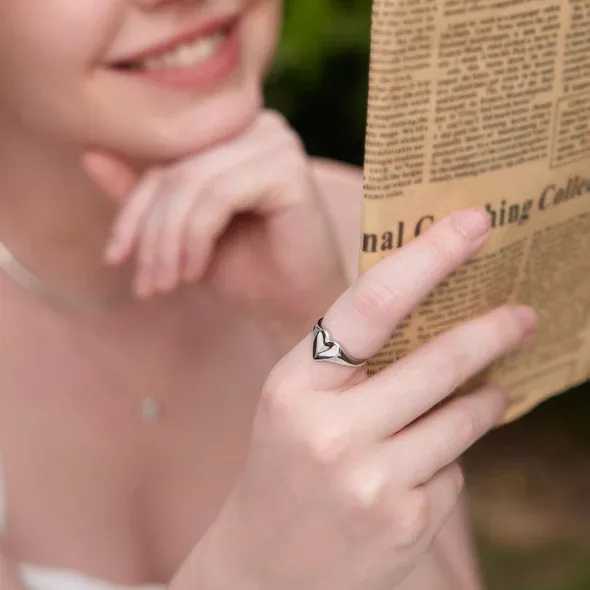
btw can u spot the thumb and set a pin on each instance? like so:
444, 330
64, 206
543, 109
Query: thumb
116, 178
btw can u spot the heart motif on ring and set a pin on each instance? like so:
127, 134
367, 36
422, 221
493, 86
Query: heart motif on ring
323, 348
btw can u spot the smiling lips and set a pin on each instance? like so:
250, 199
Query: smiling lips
194, 61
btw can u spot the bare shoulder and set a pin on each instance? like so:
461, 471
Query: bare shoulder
341, 187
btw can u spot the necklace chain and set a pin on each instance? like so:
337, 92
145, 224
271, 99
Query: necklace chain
33, 284
149, 408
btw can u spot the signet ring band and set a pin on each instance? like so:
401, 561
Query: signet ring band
327, 350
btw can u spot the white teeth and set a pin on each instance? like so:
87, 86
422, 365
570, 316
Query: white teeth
186, 55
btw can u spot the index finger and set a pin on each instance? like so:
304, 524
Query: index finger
363, 319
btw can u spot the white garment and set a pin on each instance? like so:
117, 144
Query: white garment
41, 578
44, 578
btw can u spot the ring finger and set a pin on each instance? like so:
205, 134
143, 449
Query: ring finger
392, 399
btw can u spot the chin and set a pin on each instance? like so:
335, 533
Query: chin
172, 112
158, 135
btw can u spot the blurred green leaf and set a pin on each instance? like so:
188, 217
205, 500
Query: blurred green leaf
319, 78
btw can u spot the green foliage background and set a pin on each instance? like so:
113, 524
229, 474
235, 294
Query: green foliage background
319, 81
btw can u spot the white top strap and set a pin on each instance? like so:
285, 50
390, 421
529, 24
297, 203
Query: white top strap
40, 578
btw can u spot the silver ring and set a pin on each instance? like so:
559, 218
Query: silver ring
325, 349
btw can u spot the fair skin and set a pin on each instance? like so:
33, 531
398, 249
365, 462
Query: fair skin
221, 244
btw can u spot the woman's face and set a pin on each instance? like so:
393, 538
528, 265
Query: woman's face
153, 79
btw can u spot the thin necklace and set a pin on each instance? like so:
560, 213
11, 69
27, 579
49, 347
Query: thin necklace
33, 284
150, 408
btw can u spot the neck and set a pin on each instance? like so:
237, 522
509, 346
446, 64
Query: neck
53, 218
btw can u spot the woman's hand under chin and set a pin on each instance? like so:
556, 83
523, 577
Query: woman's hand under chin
245, 217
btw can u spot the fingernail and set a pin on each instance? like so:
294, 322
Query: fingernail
472, 223
528, 319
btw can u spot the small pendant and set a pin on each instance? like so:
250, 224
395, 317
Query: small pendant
149, 410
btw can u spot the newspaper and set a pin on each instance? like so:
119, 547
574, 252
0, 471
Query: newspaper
487, 103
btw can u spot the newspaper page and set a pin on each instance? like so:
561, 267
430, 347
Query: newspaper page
487, 103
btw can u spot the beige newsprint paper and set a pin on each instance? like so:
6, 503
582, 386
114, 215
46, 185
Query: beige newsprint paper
487, 102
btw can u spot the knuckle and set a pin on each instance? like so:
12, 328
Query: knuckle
363, 492
412, 519
327, 448
196, 232
448, 366
373, 300
275, 402
442, 249
296, 159
286, 132
275, 417
298, 146
319, 441
274, 117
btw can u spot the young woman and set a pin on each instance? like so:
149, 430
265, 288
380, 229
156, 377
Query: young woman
166, 249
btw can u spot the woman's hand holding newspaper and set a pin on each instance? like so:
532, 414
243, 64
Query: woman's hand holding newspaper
350, 478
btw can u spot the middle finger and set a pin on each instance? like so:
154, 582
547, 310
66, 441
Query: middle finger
389, 401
